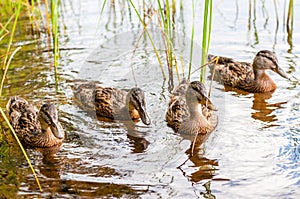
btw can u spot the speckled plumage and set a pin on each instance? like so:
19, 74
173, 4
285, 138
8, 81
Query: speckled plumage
190, 111
246, 76
112, 103
37, 129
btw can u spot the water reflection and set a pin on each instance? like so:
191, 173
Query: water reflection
201, 169
207, 193
80, 177
136, 135
198, 168
50, 167
263, 110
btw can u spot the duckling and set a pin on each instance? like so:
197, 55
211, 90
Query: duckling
36, 129
246, 76
190, 110
112, 103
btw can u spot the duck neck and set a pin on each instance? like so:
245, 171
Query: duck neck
46, 137
260, 74
129, 112
196, 111
263, 82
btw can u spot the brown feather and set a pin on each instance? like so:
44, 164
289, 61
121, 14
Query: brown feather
243, 75
24, 119
179, 116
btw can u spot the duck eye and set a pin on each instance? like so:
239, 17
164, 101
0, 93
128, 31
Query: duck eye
46, 108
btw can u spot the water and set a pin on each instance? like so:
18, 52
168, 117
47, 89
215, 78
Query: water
254, 151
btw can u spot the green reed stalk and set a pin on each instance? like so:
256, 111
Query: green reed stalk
12, 33
207, 23
54, 20
149, 36
23, 150
102, 8
6, 68
290, 18
3, 28
168, 29
167, 33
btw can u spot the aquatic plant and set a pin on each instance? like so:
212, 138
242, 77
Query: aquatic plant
165, 12
206, 30
22, 148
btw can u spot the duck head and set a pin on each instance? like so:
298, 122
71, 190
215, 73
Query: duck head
48, 117
196, 95
265, 60
136, 101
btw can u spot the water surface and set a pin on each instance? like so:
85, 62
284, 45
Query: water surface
254, 151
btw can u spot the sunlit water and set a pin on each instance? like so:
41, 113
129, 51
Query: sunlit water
253, 153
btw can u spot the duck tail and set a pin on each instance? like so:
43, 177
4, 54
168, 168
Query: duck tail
211, 57
219, 60
15, 101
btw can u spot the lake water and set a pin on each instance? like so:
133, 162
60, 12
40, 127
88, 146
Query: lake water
253, 153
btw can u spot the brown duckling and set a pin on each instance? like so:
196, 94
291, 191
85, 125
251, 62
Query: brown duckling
37, 129
190, 111
113, 103
246, 76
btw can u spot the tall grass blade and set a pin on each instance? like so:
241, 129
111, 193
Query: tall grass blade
3, 28
6, 68
12, 32
23, 150
149, 36
54, 20
290, 18
207, 24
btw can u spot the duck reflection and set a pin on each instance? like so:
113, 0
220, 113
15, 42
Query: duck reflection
198, 168
202, 168
205, 168
63, 175
263, 110
51, 166
136, 137
207, 193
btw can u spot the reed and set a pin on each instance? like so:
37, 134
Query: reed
149, 36
17, 14
206, 31
54, 21
23, 150
9, 59
166, 10
166, 17
290, 16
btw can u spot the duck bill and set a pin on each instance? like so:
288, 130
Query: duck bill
144, 116
281, 72
57, 130
206, 102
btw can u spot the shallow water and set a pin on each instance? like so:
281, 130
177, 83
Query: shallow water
254, 151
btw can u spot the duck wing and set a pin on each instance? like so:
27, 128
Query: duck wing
23, 118
84, 95
110, 103
231, 72
178, 111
